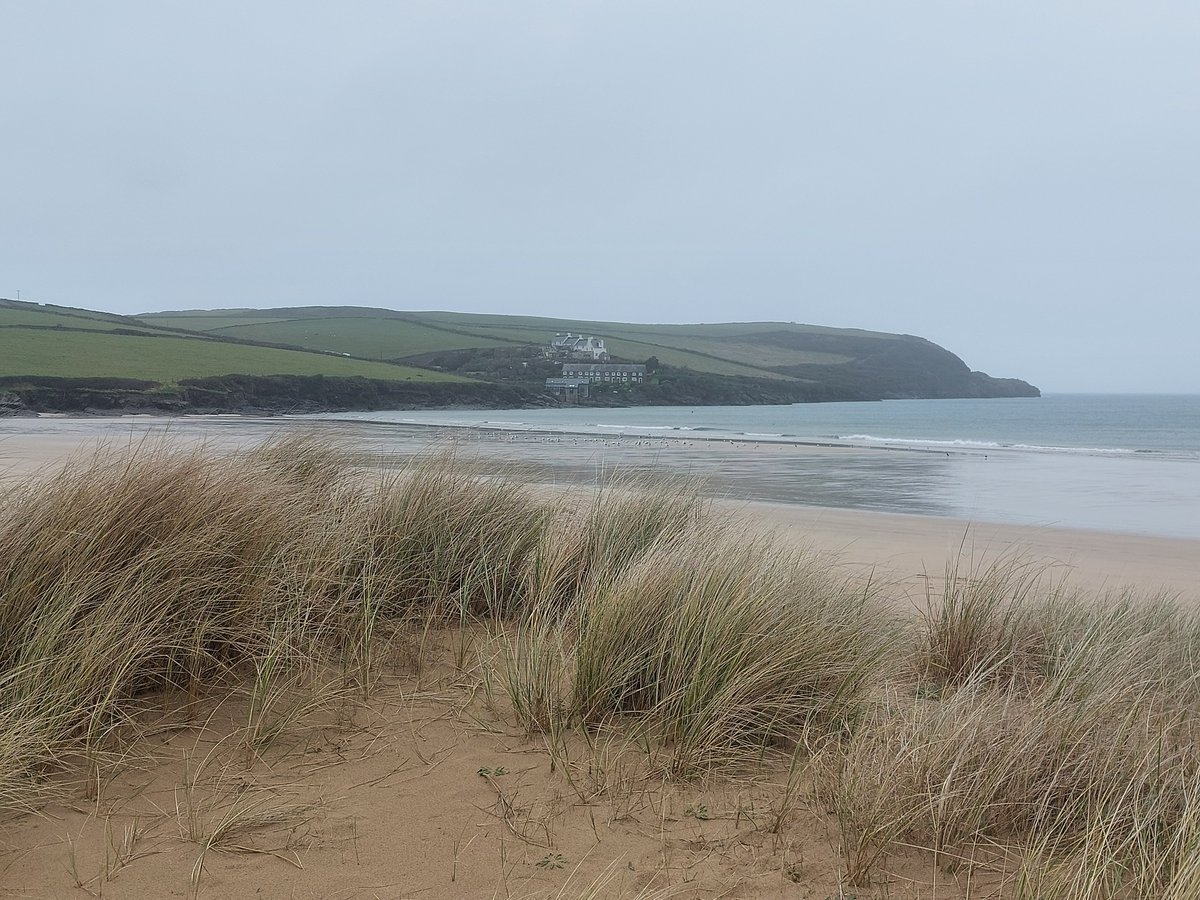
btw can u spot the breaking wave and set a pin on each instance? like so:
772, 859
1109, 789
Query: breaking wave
970, 444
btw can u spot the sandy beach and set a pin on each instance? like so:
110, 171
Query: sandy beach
906, 549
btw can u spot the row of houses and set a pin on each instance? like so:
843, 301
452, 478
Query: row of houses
578, 378
608, 373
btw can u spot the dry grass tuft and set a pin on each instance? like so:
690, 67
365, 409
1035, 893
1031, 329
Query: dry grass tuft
729, 649
1061, 725
163, 571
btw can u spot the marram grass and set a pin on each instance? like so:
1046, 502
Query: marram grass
1013, 717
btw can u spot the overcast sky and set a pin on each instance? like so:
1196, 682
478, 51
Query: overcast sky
1017, 180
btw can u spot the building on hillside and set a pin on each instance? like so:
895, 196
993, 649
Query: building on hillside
570, 388
606, 373
576, 346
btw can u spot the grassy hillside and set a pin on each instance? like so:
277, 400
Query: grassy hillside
386, 334
754, 349
167, 360
69, 343
814, 362
755, 345
321, 358
14, 315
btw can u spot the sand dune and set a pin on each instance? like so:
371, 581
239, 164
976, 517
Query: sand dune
428, 788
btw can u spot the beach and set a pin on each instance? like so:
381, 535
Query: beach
910, 549
899, 548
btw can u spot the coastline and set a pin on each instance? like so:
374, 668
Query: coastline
898, 548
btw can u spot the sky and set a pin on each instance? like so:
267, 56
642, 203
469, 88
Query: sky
1017, 180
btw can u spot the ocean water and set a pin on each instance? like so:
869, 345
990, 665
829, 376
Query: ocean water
1120, 463
1113, 463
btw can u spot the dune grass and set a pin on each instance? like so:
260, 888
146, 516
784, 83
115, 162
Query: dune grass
1055, 725
729, 649
1053, 735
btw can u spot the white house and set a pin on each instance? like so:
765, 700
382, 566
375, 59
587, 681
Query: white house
576, 346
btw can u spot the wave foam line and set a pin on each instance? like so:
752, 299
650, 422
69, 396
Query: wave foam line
978, 445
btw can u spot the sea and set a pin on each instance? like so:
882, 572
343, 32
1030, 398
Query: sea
1118, 463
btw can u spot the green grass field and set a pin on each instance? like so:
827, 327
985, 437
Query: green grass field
79, 345
382, 338
211, 323
372, 336
74, 319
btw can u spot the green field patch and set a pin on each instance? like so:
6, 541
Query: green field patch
17, 316
206, 323
758, 354
682, 358
370, 338
74, 354
10, 317
742, 329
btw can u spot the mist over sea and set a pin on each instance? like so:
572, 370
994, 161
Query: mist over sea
1126, 463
